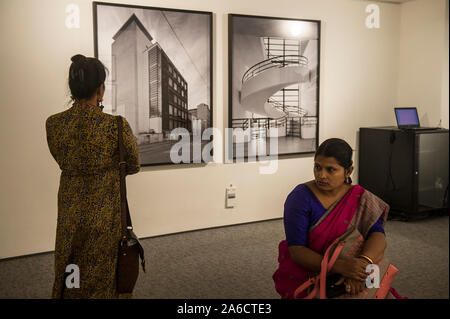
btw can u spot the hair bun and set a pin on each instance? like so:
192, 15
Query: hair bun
78, 58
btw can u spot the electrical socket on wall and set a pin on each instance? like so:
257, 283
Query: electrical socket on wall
230, 197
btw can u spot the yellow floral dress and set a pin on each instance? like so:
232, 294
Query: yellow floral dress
84, 142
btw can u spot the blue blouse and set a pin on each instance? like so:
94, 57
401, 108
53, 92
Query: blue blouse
302, 209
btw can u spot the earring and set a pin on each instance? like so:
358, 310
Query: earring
100, 103
348, 180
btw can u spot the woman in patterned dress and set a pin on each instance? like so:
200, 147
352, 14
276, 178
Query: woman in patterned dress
84, 142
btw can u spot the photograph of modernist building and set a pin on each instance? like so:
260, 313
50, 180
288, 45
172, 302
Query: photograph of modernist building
160, 72
274, 83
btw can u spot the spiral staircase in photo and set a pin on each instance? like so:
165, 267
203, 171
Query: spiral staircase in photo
259, 85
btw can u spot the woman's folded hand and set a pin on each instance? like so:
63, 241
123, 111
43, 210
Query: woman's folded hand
354, 287
351, 268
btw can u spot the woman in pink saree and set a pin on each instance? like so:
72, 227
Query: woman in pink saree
318, 212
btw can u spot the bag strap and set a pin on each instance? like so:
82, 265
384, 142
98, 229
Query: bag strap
327, 264
125, 213
124, 210
319, 281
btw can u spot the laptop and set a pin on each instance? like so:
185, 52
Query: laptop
407, 119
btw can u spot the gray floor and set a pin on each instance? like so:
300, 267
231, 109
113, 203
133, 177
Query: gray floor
238, 262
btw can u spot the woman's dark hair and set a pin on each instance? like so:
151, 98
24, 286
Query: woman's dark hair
337, 148
85, 76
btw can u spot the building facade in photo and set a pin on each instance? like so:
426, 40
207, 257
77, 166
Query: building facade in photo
149, 90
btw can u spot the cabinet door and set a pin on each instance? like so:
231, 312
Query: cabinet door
432, 169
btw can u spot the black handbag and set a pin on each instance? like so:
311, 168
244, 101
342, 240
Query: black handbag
130, 249
333, 290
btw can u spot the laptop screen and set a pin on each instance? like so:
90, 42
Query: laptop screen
407, 117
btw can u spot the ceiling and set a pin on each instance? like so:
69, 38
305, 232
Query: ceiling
389, 1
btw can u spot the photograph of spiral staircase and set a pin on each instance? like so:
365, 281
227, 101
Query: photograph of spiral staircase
274, 84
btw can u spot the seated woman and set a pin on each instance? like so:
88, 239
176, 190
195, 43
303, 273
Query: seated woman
319, 211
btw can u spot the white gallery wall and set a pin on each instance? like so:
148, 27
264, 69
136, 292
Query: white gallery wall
363, 74
423, 60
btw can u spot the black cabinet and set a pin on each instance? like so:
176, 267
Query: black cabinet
408, 169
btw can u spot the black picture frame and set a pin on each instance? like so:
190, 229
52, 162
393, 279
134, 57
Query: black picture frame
160, 64
261, 52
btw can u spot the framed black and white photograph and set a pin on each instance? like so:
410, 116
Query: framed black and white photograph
273, 85
160, 76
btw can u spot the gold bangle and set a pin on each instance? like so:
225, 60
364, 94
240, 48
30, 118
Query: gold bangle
367, 258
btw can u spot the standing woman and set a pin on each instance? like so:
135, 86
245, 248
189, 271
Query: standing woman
84, 142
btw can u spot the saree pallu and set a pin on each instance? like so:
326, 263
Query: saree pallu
358, 208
